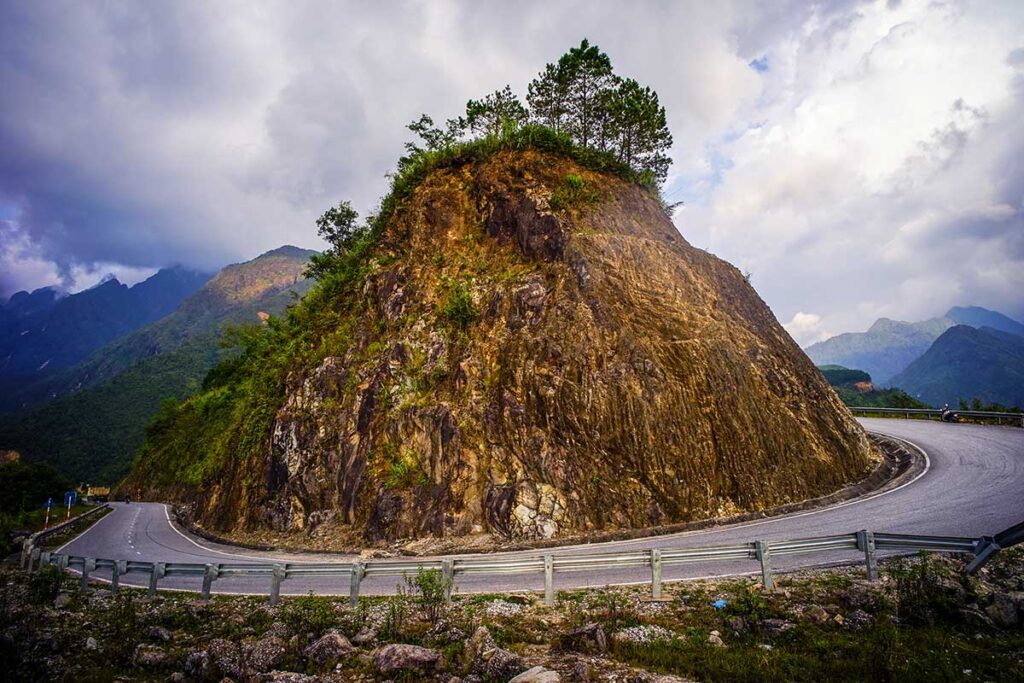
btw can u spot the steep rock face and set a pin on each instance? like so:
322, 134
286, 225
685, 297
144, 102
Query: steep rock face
605, 374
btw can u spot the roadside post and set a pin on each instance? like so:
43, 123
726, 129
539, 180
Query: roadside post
49, 505
763, 554
70, 499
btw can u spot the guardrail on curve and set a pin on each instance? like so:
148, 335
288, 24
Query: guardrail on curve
1011, 418
31, 542
655, 559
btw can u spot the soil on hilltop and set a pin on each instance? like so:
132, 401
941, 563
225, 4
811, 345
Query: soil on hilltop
530, 349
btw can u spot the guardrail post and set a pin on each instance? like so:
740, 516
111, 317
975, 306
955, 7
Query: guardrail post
448, 572
984, 549
764, 556
115, 575
549, 580
155, 574
44, 558
88, 565
656, 573
26, 552
866, 542
62, 562
32, 557
277, 575
210, 572
358, 572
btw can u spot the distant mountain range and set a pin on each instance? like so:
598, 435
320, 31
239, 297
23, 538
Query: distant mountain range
884, 350
968, 363
89, 419
965, 354
41, 332
975, 316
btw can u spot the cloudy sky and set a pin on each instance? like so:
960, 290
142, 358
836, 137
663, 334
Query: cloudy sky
858, 159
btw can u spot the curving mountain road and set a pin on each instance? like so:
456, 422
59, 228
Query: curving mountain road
974, 485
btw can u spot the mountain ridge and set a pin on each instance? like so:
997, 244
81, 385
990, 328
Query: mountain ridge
96, 414
889, 346
60, 333
979, 317
966, 363
883, 350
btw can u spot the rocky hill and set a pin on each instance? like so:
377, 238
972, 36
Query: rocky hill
529, 347
95, 419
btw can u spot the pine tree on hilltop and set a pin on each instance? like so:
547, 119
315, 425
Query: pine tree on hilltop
580, 97
491, 114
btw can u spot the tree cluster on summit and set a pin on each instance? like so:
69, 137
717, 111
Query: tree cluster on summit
578, 96
577, 104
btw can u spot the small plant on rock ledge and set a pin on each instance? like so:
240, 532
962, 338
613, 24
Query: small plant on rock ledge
573, 193
458, 307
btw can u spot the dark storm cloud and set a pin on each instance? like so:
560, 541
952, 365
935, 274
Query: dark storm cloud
149, 133
135, 135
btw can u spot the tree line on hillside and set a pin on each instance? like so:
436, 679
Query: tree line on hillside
580, 96
24, 488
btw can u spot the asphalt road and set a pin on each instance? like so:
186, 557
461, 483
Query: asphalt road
973, 485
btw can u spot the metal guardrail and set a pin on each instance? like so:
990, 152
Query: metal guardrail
550, 564
33, 540
1011, 418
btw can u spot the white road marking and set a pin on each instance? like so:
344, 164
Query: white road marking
666, 537
212, 550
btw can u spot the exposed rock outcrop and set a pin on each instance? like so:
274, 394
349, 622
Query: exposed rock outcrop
509, 368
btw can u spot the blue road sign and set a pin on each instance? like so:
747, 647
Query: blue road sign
49, 503
70, 497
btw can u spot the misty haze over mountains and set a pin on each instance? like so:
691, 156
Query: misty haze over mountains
970, 352
43, 331
117, 353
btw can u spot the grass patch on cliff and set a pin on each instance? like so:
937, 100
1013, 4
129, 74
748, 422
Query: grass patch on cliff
574, 193
458, 307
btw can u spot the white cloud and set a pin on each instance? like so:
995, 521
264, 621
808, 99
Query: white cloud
871, 169
883, 174
805, 328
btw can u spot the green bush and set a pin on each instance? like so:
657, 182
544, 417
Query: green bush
395, 617
749, 603
309, 613
122, 623
44, 585
573, 193
429, 590
458, 307
926, 592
